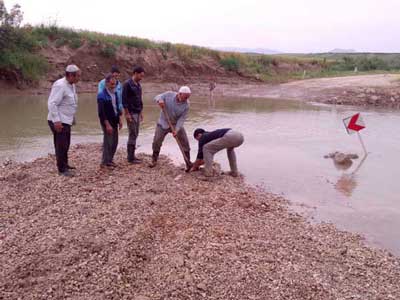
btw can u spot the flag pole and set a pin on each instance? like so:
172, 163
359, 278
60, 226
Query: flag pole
362, 143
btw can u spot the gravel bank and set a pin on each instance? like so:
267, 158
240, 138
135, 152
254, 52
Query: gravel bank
140, 233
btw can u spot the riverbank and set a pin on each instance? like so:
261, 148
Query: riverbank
378, 90
140, 233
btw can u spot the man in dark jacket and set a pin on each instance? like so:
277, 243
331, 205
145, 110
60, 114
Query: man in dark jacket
133, 106
110, 119
213, 142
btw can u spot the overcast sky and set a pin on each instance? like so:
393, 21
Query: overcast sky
285, 25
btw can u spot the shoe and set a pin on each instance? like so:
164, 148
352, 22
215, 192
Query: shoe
66, 174
233, 174
154, 159
188, 167
107, 166
135, 161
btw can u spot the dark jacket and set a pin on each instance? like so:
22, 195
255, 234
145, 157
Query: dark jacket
132, 97
208, 137
106, 109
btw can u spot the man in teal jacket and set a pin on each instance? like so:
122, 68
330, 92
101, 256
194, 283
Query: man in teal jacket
118, 88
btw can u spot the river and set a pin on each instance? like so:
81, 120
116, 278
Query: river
285, 144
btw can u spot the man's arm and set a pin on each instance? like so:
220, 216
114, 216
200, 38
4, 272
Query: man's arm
101, 86
128, 116
102, 114
55, 98
182, 119
119, 93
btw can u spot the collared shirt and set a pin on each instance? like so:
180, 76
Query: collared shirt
62, 102
177, 111
113, 100
208, 137
118, 89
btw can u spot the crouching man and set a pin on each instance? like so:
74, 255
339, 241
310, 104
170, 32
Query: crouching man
109, 108
213, 142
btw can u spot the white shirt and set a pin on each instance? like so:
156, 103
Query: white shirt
63, 102
113, 100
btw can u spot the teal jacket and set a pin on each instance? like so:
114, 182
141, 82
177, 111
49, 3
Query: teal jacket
118, 90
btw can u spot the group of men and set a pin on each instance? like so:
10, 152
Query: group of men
116, 100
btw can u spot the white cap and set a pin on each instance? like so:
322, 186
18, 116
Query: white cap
185, 90
71, 69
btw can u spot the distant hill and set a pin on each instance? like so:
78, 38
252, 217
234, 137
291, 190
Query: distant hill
249, 50
337, 50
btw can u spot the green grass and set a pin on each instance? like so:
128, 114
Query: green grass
20, 53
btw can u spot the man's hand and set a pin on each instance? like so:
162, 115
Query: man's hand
161, 104
141, 117
58, 127
128, 118
194, 168
120, 124
109, 128
174, 133
196, 165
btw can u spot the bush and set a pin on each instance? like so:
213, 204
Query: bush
108, 51
18, 47
230, 63
60, 42
76, 43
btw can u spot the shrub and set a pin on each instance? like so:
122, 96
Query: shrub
230, 63
108, 51
60, 42
75, 43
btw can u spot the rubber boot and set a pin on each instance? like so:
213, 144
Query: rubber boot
135, 160
154, 159
131, 153
189, 165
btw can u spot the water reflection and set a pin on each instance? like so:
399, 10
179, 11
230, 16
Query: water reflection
347, 183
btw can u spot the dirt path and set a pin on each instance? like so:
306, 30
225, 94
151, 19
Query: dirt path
377, 90
148, 234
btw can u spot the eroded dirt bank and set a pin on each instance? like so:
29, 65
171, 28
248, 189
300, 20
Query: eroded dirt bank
140, 233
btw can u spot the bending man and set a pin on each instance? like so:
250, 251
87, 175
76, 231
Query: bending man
213, 142
176, 105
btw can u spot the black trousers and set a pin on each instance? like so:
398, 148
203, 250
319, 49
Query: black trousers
62, 141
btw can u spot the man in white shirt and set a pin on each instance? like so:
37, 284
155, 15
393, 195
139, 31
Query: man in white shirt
62, 105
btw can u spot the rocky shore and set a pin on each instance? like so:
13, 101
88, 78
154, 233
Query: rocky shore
140, 233
375, 97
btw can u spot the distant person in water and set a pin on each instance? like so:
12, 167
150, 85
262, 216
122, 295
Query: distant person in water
133, 108
212, 142
108, 103
212, 87
62, 105
118, 88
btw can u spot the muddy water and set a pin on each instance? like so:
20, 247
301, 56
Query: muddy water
285, 142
